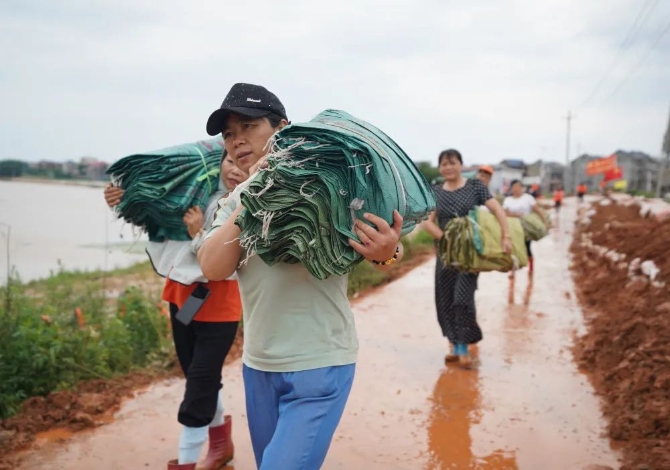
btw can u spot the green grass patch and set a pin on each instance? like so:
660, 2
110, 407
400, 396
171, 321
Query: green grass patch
45, 345
76, 276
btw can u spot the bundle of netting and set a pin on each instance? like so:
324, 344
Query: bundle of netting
322, 176
160, 186
474, 244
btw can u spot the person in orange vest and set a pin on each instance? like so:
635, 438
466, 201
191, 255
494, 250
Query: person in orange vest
558, 199
535, 191
581, 191
484, 174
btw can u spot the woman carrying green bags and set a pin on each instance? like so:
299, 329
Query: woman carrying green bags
300, 341
455, 290
521, 204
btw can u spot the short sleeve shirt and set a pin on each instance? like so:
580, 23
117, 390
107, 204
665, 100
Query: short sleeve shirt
519, 206
452, 204
292, 321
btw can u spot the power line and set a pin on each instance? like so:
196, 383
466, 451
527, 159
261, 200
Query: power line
632, 32
635, 69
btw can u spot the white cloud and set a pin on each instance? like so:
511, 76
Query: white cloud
492, 78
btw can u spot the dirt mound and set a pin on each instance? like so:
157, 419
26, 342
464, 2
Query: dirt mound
626, 350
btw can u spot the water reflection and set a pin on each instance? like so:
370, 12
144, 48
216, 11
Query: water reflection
512, 289
456, 405
529, 291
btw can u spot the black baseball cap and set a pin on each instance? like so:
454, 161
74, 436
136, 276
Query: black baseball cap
252, 101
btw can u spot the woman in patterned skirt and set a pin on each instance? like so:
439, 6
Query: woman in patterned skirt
455, 290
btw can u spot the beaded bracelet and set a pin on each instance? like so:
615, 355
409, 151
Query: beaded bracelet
389, 261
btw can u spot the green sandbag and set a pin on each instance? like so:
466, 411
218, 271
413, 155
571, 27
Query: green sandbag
473, 244
490, 234
457, 247
533, 226
160, 186
321, 176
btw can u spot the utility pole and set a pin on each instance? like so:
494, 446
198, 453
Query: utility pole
664, 160
568, 170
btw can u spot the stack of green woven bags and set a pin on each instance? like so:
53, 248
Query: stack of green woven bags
474, 244
321, 176
160, 186
536, 227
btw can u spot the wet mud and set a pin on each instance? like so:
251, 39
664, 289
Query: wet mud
524, 406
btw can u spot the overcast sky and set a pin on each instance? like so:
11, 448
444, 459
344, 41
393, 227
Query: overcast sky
492, 78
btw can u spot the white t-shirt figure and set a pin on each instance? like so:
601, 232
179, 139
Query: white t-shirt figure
519, 206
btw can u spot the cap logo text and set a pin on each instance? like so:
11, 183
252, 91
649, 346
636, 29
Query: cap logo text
253, 100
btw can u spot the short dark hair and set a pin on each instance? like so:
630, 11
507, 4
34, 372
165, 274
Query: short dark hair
449, 154
275, 120
514, 182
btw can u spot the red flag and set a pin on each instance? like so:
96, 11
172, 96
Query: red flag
601, 165
614, 174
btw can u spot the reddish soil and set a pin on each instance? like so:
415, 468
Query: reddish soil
92, 404
626, 350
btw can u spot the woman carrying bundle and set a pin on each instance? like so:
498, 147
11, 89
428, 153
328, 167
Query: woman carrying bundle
202, 344
455, 290
300, 341
520, 204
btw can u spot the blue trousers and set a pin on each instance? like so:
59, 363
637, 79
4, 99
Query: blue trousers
293, 415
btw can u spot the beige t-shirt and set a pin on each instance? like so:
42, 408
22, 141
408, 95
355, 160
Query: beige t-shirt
292, 321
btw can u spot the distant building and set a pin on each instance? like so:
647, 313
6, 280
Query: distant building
514, 164
549, 175
96, 170
503, 175
71, 168
639, 170
45, 165
88, 160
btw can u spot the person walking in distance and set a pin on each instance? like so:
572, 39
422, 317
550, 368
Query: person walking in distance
558, 199
520, 204
484, 174
581, 191
535, 191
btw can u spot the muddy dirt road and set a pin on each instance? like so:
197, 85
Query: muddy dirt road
526, 406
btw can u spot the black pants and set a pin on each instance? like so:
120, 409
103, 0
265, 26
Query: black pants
455, 305
530, 253
201, 349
